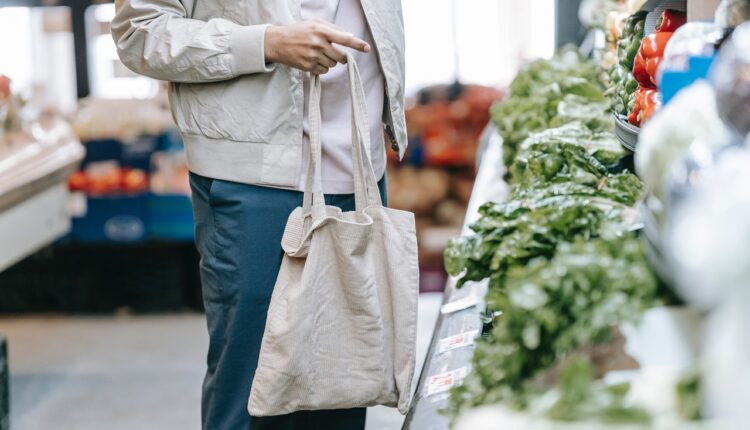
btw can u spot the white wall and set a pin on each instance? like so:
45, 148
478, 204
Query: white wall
478, 41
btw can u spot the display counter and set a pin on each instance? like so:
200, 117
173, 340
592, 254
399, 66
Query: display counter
452, 345
34, 197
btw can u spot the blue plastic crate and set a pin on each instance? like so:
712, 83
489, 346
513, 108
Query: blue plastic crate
102, 150
119, 219
170, 217
136, 154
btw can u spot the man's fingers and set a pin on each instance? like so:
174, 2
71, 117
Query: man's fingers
335, 54
348, 40
319, 70
326, 62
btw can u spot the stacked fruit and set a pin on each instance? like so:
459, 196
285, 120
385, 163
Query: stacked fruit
644, 101
103, 180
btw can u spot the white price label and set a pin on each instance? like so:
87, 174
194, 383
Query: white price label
457, 341
443, 382
460, 304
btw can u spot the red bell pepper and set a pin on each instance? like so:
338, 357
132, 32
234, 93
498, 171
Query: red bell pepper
670, 20
649, 105
649, 57
639, 71
636, 112
646, 104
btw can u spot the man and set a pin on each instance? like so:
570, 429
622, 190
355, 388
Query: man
238, 95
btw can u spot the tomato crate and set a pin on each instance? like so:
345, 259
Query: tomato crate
170, 217
119, 219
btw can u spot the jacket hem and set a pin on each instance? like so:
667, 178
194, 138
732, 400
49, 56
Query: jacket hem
253, 163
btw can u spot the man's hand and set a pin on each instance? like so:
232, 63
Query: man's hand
309, 46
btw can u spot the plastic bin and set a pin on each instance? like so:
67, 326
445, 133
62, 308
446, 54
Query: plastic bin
136, 154
120, 219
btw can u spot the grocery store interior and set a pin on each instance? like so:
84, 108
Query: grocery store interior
578, 174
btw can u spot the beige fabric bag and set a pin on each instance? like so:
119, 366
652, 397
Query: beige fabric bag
341, 326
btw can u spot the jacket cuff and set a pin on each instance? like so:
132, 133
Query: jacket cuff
247, 50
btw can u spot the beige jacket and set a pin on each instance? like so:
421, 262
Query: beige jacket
241, 118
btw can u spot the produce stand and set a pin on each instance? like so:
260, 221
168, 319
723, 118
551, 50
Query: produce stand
626, 133
451, 348
34, 197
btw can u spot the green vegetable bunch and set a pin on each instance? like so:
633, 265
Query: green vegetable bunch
563, 169
602, 145
551, 309
622, 83
551, 93
562, 265
511, 234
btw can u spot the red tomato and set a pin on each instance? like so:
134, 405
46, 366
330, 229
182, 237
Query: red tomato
134, 181
77, 181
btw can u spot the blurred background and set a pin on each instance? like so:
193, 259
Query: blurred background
101, 322
99, 288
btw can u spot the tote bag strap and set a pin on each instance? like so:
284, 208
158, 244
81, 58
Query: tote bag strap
365, 184
313, 202
364, 174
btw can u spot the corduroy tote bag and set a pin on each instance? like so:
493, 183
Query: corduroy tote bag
341, 328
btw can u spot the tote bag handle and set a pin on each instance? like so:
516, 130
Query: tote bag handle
366, 191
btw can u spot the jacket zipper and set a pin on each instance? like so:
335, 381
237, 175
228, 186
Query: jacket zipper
388, 126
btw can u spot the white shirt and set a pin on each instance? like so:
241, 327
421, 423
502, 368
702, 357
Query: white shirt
335, 99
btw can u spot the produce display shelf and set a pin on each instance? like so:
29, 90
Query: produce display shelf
452, 346
34, 197
668, 338
626, 133
651, 5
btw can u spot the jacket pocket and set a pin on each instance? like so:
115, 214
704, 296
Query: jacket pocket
214, 110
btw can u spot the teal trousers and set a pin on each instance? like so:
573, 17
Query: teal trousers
238, 231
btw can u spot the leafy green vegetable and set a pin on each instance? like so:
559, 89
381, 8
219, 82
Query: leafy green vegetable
583, 398
602, 145
562, 264
545, 170
551, 308
549, 93
512, 233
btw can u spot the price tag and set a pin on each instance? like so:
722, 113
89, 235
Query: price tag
459, 305
443, 382
457, 341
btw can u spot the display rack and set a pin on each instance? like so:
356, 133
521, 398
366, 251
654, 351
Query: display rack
452, 346
626, 133
34, 197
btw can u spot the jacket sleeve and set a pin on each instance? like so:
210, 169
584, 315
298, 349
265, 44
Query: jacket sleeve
156, 38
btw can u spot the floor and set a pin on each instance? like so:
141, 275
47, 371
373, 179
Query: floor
128, 373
